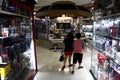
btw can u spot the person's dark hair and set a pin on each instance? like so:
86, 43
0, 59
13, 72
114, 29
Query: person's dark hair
78, 36
70, 35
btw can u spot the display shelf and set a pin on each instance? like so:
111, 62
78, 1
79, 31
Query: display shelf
116, 76
109, 16
16, 75
118, 71
103, 75
108, 36
115, 65
107, 54
89, 41
88, 31
12, 14
19, 75
17, 41
106, 40
98, 49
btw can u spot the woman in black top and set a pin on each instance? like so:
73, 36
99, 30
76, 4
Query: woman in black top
68, 49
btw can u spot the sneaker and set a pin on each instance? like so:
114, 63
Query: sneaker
63, 68
73, 72
70, 65
80, 67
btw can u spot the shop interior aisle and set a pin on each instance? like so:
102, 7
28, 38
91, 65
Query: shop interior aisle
49, 67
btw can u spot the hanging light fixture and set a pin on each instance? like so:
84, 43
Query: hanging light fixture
57, 9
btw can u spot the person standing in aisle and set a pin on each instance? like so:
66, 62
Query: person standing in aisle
77, 51
68, 49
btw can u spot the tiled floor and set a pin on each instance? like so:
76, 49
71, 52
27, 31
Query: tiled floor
49, 66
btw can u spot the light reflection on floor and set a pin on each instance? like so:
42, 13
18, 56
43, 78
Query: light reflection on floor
50, 67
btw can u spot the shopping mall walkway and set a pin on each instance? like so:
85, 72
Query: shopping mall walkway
49, 66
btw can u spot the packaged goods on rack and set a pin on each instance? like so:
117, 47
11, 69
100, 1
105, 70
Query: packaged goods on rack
87, 28
15, 40
106, 40
88, 32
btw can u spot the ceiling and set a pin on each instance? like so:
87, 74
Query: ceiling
41, 3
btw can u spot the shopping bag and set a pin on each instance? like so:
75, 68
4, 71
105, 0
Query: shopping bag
61, 59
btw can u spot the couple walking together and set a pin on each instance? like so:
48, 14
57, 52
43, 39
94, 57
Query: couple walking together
73, 47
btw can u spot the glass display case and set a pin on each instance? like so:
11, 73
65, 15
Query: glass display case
88, 31
17, 48
106, 48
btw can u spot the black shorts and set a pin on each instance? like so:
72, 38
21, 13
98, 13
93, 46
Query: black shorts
77, 57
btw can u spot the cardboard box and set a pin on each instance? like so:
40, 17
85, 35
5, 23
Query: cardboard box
4, 70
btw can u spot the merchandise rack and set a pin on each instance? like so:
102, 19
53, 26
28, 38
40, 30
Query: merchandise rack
105, 56
31, 67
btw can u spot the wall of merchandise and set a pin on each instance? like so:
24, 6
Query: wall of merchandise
88, 31
15, 41
106, 48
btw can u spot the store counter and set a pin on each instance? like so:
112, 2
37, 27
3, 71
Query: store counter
51, 43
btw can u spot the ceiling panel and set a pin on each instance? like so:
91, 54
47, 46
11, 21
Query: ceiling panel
48, 2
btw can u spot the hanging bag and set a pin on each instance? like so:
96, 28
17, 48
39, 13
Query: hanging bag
61, 59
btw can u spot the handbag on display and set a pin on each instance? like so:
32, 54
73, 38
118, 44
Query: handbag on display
61, 59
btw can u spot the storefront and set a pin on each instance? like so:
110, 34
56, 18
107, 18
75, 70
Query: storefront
60, 18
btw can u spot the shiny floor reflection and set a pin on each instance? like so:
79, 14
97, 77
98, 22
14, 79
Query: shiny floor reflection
50, 67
